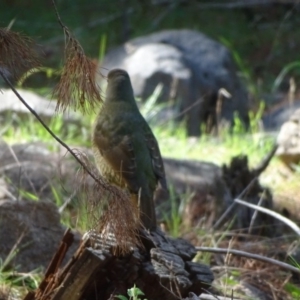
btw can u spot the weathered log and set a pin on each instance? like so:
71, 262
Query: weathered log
161, 267
243, 182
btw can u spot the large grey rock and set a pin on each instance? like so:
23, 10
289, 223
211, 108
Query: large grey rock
203, 188
33, 229
10, 105
192, 67
288, 140
161, 64
273, 120
29, 170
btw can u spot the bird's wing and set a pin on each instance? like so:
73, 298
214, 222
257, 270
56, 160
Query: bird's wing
157, 162
119, 154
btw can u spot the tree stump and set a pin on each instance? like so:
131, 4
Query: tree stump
244, 182
161, 267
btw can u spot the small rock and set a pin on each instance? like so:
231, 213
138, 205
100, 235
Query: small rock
33, 228
288, 140
44, 107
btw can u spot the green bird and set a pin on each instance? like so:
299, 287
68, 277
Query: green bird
125, 149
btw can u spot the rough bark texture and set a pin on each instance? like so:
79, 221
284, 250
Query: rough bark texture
243, 182
162, 268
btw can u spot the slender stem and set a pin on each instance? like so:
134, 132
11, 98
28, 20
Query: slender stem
272, 213
250, 255
48, 129
232, 205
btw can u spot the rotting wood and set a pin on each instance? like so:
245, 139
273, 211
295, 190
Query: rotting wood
241, 180
162, 268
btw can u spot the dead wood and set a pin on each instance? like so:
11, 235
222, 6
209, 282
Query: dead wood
162, 268
241, 180
265, 162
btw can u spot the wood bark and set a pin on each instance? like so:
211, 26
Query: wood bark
161, 267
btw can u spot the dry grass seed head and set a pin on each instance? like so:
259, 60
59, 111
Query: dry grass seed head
77, 86
118, 217
17, 54
110, 210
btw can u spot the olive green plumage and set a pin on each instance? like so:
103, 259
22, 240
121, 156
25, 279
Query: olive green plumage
125, 149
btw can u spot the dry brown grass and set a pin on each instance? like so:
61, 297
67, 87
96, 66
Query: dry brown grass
77, 87
233, 273
110, 210
17, 54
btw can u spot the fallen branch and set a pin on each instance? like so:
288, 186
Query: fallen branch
265, 162
272, 213
239, 4
213, 297
250, 255
232, 205
255, 173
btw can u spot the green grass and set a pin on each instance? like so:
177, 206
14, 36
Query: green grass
249, 46
173, 142
134, 293
24, 129
14, 283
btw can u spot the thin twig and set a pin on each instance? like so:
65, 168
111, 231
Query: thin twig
182, 112
48, 129
254, 216
265, 162
64, 27
232, 205
242, 4
272, 213
239, 4
256, 172
213, 297
250, 255
163, 15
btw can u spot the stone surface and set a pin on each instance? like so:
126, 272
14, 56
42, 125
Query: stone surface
28, 168
273, 120
203, 191
192, 68
288, 140
33, 229
34, 169
10, 105
201, 183
27, 172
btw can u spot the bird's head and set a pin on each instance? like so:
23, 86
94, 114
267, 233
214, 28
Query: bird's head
119, 86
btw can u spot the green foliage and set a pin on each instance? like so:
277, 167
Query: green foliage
174, 220
284, 72
294, 262
102, 48
255, 118
175, 144
50, 72
244, 68
58, 199
241, 38
238, 127
293, 289
150, 108
26, 128
134, 294
28, 195
14, 282
73, 210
